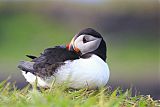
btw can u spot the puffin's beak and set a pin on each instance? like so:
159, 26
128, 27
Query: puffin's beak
71, 46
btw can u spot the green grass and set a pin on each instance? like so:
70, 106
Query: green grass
59, 96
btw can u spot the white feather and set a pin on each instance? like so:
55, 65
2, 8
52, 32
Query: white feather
91, 72
31, 79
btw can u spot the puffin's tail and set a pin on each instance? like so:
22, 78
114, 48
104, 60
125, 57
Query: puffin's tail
29, 73
26, 66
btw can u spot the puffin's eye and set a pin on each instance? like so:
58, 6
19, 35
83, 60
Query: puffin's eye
84, 40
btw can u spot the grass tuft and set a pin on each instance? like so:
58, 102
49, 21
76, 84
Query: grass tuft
59, 96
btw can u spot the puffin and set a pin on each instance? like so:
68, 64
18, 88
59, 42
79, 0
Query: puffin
80, 64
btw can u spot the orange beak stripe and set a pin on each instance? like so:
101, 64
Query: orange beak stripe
76, 49
68, 46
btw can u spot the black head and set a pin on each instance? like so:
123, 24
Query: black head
88, 42
89, 31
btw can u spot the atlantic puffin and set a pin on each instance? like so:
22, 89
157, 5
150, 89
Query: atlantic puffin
81, 63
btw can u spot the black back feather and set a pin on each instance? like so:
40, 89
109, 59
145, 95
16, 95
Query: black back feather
51, 59
31, 56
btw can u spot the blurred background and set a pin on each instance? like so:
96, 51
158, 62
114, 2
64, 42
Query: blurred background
130, 29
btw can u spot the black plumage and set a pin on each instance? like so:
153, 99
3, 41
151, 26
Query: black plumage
31, 56
49, 61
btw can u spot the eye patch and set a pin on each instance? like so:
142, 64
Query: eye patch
84, 40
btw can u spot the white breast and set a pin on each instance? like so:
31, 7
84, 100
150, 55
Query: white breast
91, 72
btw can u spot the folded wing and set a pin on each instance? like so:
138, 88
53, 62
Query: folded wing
48, 62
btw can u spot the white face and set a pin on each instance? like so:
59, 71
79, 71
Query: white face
86, 43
